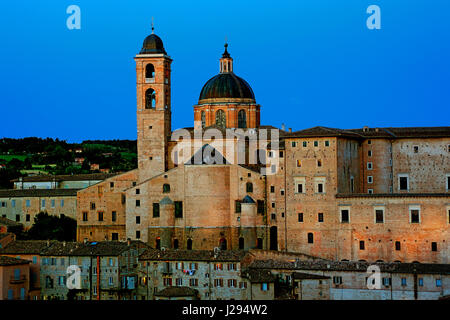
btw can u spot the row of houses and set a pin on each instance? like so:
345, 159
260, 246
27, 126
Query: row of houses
130, 270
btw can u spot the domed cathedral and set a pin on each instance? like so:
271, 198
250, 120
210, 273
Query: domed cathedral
226, 100
153, 106
192, 205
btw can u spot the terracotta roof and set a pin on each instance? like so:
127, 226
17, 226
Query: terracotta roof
308, 276
23, 193
25, 247
258, 275
368, 133
102, 248
9, 223
404, 132
60, 248
393, 267
192, 255
390, 195
66, 177
9, 261
177, 292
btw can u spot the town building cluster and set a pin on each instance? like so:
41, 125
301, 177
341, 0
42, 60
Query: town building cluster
296, 215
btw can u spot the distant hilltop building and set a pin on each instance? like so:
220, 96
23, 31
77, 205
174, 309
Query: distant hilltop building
370, 194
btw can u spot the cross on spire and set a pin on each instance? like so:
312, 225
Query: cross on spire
153, 26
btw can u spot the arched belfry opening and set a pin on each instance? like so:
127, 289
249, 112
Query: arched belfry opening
150, 99
149, 71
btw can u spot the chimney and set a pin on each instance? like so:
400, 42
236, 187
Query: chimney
365, 128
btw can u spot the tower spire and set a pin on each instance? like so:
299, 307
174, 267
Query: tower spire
153, 26
226, 62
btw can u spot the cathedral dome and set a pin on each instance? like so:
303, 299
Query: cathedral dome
152, 44
226, 85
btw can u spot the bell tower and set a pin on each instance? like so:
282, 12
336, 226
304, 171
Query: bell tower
153, 107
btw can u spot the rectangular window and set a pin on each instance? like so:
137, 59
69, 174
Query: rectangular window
320, 217
416, 149
167, 282
27, 203
155, 210
61, 204
387, 282
179, 282
361, 245
310, 237
327, 143
27, 218
420, 282
294, 144
272, 189
138, 203
138, 220
193, 282
85, 216
345, 216
178, 209
369, 179
447, 187
232, 283
52, 203
369, 153
260, 206
379, 216
369, 191
300, 217
138, 234
300, 187
299, 163
111, 185
92, 205
237, 206
369, 165
100, 215
138, 191
316, 143
434, 246
397, 246
438, 283
337, 280
403, 183
13, 203
305, 143
273, 216
264, 286
17, 217
43, 203
114, 216
403, 281
414, 214
319, 188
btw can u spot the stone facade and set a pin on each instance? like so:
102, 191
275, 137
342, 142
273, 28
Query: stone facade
339, 194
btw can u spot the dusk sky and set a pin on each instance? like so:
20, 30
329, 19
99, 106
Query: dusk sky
309, 62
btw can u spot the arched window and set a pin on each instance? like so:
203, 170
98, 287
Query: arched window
223, 244
189, 244
166, 188
150, 99
149, 71
242, 119
175, 243
158, 243
203, 119
241, 243
221, 120
249, 187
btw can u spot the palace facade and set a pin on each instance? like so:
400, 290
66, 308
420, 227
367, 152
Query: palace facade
369, 194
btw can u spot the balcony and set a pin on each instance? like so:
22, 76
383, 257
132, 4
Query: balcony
17, 280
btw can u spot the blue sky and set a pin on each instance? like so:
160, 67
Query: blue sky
309, 62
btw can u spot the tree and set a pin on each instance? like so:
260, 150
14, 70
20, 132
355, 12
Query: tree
49, 227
